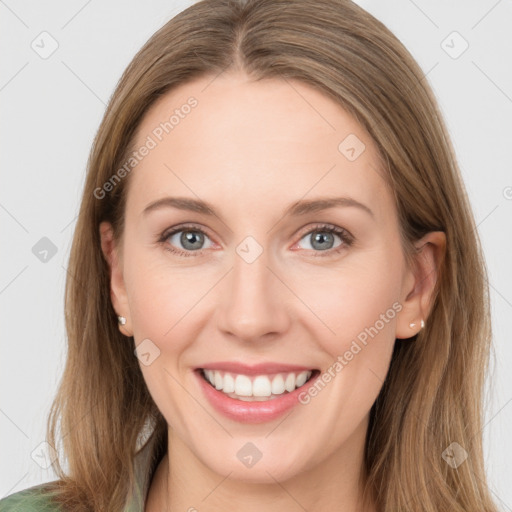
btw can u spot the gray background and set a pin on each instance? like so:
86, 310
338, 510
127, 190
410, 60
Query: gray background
51, 109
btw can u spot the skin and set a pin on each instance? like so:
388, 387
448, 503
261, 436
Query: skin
251, 149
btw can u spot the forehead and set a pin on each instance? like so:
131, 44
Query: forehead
257, 141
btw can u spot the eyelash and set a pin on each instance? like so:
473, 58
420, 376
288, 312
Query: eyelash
346, 238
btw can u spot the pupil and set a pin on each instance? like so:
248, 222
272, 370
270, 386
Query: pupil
188, 238
319, 237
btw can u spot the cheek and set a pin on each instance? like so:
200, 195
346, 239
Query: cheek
162, 302
359, 308
162, 298
359, 305
355, 301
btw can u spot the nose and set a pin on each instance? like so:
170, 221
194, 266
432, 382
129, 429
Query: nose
253, 303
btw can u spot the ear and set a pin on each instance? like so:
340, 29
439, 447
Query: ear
118, 294
419, 284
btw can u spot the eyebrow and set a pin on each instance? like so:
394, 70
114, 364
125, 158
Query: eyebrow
301, 207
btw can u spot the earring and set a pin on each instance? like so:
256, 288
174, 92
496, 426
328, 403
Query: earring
121, 320
413, 325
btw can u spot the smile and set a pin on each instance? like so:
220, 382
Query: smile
253, 393
256, 387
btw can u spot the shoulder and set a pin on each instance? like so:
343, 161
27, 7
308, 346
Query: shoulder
34, 499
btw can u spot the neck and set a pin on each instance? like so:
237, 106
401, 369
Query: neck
183, 482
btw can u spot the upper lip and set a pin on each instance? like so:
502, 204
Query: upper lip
255, 369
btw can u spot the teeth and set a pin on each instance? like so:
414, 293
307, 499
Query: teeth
228, 384
218, 381
289, 383
258, 388
278, 385
261, 386
243, 385
301, 379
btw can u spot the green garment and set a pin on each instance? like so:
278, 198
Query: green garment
34, 498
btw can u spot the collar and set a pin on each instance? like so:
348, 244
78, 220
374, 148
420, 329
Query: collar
144, 466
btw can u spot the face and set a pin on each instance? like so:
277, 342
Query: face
263, 282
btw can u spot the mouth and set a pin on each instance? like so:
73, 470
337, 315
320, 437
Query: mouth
259, 387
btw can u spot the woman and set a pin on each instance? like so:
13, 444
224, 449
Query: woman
277, 297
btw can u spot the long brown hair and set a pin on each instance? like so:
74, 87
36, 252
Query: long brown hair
432, 395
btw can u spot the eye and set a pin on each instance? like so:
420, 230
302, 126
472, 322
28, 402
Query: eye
187, 239
323, 239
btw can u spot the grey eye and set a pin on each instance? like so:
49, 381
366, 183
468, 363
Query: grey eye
321, 240
189, 239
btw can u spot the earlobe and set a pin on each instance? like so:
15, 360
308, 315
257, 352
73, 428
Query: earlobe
118, 295
419, 288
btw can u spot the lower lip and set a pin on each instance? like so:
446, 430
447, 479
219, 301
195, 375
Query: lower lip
250, 412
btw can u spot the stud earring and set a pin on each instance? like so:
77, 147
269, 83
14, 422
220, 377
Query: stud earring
412, 325
121, 320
